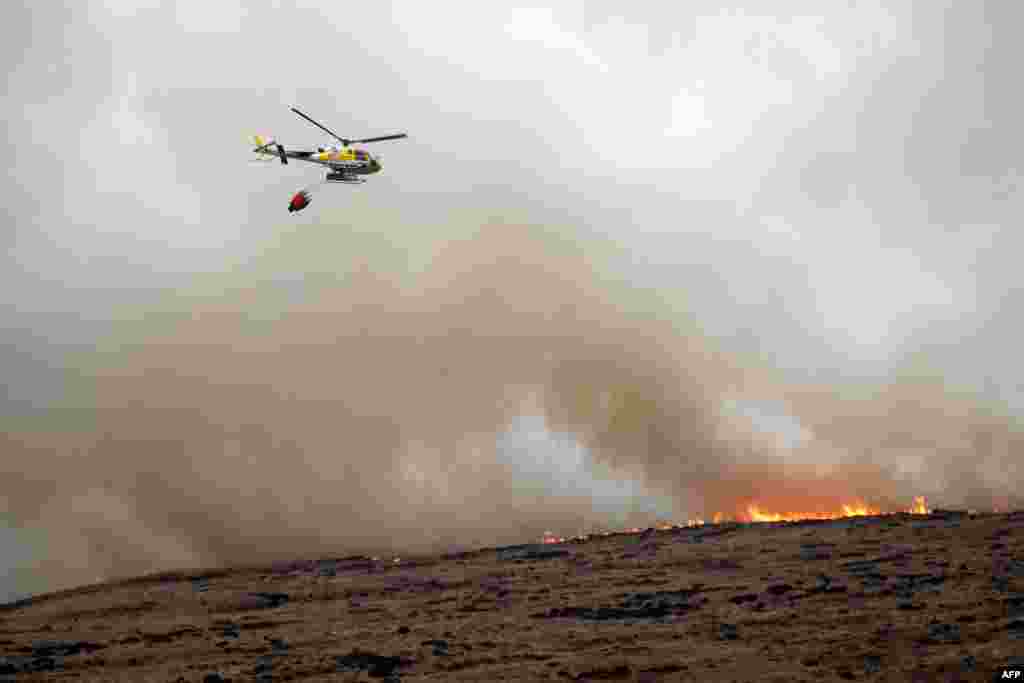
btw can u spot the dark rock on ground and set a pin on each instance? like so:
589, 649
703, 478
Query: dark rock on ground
44, 664
272, 599
860, 567
257, 601
728, 632
670, 600
873, 581
604, 613
378, 666
944, 633
10, 666
816, 551
947, 514
264, 670
656, 605
531, 551
909, 584
64, 648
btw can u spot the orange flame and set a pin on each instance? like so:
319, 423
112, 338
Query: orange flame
857, 509
920, 507
756, 514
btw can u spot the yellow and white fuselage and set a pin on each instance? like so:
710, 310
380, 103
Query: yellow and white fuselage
347, 159
344, 164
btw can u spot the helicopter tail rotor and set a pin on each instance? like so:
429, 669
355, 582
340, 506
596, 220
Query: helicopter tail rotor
263, 146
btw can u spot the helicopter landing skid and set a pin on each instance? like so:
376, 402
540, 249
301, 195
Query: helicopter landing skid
351, 180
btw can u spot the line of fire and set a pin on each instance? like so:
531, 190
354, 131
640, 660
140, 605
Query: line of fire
755, 515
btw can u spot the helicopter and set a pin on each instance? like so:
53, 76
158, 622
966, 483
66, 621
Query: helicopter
344, 164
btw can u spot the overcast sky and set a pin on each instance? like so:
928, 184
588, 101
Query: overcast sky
859, 163
835, 186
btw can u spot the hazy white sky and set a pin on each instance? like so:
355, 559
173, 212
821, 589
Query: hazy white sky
856, 160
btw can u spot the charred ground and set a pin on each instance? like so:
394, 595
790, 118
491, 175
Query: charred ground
936, 597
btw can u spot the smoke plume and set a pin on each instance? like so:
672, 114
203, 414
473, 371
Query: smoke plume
360, 411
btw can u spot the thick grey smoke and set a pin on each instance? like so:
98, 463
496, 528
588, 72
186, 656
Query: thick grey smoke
363, 415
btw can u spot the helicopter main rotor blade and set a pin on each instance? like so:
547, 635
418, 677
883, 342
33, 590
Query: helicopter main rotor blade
382, 137
323, 127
